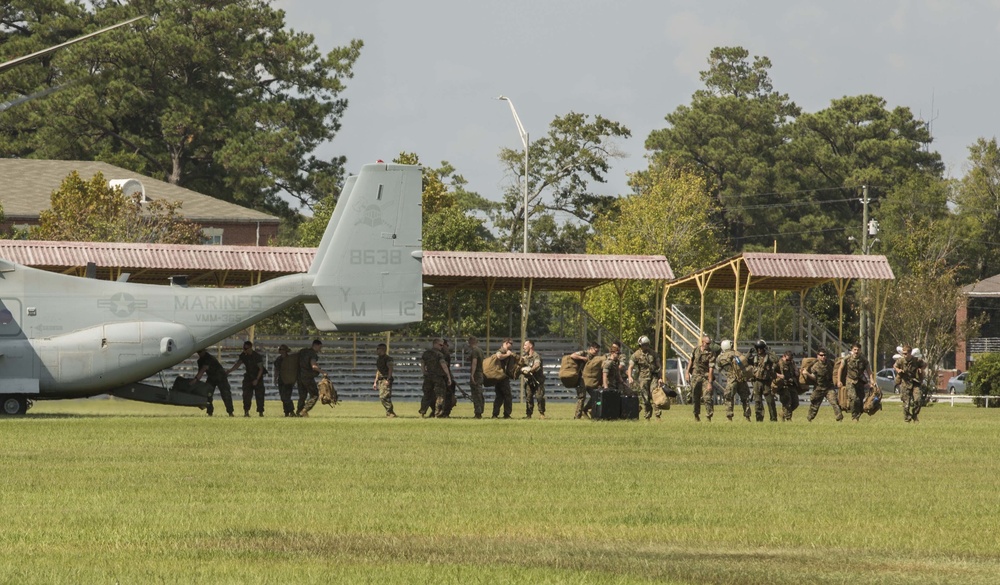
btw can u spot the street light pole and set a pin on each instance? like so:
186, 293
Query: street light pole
525, 142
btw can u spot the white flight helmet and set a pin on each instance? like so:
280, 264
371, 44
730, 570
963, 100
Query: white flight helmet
726, 345
916, 353
644, 340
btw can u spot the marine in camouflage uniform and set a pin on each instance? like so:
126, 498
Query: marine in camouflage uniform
285, 375
308, 370
786, 382
582, 391
856, 368
436, 379
450, 399
762, 372
821, 373
701, 373
534, 380
253, 377
427, 397
503, 396
476, 358
736, 383
643, 373
384, 365
215, 375
908, 371
613, 379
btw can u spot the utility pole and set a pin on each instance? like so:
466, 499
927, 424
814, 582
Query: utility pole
863, 337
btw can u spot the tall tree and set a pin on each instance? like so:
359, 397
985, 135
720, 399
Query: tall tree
562, 164
93, 211
977, 198
857, 141
216, 96
730, 135
670, 215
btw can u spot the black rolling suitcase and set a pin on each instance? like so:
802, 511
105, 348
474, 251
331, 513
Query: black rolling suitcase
607, 404
630, 406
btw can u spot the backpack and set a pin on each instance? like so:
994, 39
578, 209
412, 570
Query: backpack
840, 371
327, 393
593, 372
659, 397
493, 370
289, 368
873, 402
569, 371
807, 363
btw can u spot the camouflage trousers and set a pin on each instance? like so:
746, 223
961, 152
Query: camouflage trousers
582, 395
857, 394
385, 395
788, 395
702, 394
476, 391
427, 397
912, 398
734, 388
307, 386
503, 398
534, 391
643, 388
285, 394
253, 392
816, 400
227, 397
762, 393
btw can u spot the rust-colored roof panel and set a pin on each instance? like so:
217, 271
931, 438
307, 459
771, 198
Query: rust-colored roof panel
775, 271
824, 266
153, 263
548, 271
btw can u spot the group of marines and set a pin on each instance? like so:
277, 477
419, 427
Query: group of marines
762, 381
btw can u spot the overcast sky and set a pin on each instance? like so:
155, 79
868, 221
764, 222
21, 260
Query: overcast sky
430, 70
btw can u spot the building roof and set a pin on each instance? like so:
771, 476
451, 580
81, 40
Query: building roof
482, 270
988, 287
155, 263
794, 272
26, 187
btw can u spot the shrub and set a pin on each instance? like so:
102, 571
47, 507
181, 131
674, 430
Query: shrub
984, 378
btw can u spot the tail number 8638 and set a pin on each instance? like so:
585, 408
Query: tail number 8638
376, 257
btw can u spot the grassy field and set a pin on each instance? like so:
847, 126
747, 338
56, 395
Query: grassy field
109, 491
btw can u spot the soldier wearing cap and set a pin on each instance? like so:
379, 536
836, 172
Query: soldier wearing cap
383, 378
821, 374
644, 371
909, 371
762, 372
701, 372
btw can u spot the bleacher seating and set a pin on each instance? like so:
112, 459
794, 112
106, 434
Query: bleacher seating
351, 363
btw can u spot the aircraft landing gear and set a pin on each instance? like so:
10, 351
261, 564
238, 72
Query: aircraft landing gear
14, 404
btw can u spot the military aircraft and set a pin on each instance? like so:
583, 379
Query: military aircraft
69, 337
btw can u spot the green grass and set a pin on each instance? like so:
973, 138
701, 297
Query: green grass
109, 491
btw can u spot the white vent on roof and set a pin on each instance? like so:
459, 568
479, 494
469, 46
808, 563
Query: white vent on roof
130, 187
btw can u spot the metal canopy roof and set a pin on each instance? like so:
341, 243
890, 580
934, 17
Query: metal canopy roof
566, 272
155, 263
792, 272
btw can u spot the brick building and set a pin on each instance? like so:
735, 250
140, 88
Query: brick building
26, 187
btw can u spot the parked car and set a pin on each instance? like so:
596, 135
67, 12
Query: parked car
673, 371
886, 380
956, 384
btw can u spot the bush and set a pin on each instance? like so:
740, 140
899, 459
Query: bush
984, 378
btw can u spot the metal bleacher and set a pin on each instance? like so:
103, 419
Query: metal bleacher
351, 362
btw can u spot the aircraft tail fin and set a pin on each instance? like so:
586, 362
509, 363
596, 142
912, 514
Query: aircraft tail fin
368, 274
